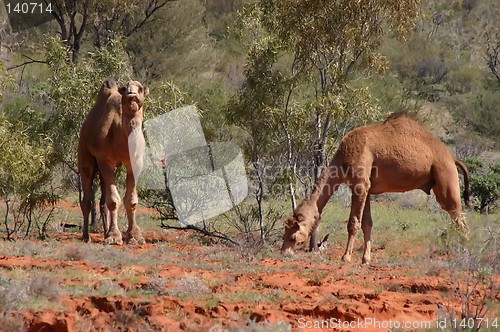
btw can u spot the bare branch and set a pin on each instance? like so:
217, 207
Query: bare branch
203, 231
153, 6
30, 61
493, 53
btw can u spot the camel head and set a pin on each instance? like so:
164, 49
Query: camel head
133, 94
298, 228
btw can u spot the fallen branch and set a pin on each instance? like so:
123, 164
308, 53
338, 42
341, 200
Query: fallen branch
201, 230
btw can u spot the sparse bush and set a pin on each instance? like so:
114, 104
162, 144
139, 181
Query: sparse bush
159, 285
478, 111
464, 79
470, 147
191, 286
412, 200
12, 294
474, 265
484, 184
74, 253
109, 288
44, 285
84, 324
12, 324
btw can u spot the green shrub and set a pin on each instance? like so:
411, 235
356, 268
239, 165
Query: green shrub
485, 184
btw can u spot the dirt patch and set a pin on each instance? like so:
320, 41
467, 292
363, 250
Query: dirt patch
172, 284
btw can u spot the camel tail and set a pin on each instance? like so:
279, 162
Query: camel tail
466, 182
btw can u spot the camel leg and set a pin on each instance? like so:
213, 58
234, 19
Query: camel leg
313, 243
359, 194
103, 210
366, 226
447, 191
86, 203
112, 198
87, 167
93, 216
130, 201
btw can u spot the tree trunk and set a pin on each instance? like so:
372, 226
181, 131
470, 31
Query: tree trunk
259, 196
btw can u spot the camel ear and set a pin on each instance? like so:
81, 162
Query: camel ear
146, 91
109, 82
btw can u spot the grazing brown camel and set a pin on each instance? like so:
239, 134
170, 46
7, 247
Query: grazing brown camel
113, 124
395, 156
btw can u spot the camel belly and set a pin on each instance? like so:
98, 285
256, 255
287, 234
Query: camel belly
395, 178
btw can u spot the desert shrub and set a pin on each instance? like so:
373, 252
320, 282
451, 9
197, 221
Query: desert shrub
24, 172
245, 221
74, 253
158, 285
485, 184
12, 294
470, 146
412, 200
474, 265
478, 111
109, 288
44, 285
191, 286
388, 91
464, 79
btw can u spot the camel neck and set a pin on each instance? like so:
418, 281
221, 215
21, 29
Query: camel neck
325, 187
130, 122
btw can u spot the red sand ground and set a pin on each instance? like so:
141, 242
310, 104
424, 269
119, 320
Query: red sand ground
310, 292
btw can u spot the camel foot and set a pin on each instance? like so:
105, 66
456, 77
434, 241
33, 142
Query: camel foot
365, 261
114, 237
135, 237
346, 258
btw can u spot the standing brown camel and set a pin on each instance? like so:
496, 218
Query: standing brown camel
111, 127
395, 156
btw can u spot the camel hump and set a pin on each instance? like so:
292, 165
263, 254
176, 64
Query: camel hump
109, 83
108, 95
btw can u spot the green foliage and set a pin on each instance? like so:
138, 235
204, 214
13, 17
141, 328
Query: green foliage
177, 46
24, 171
479, 111
6, 81
166, 97
326, 35
71, 88
485, 184
23, 164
